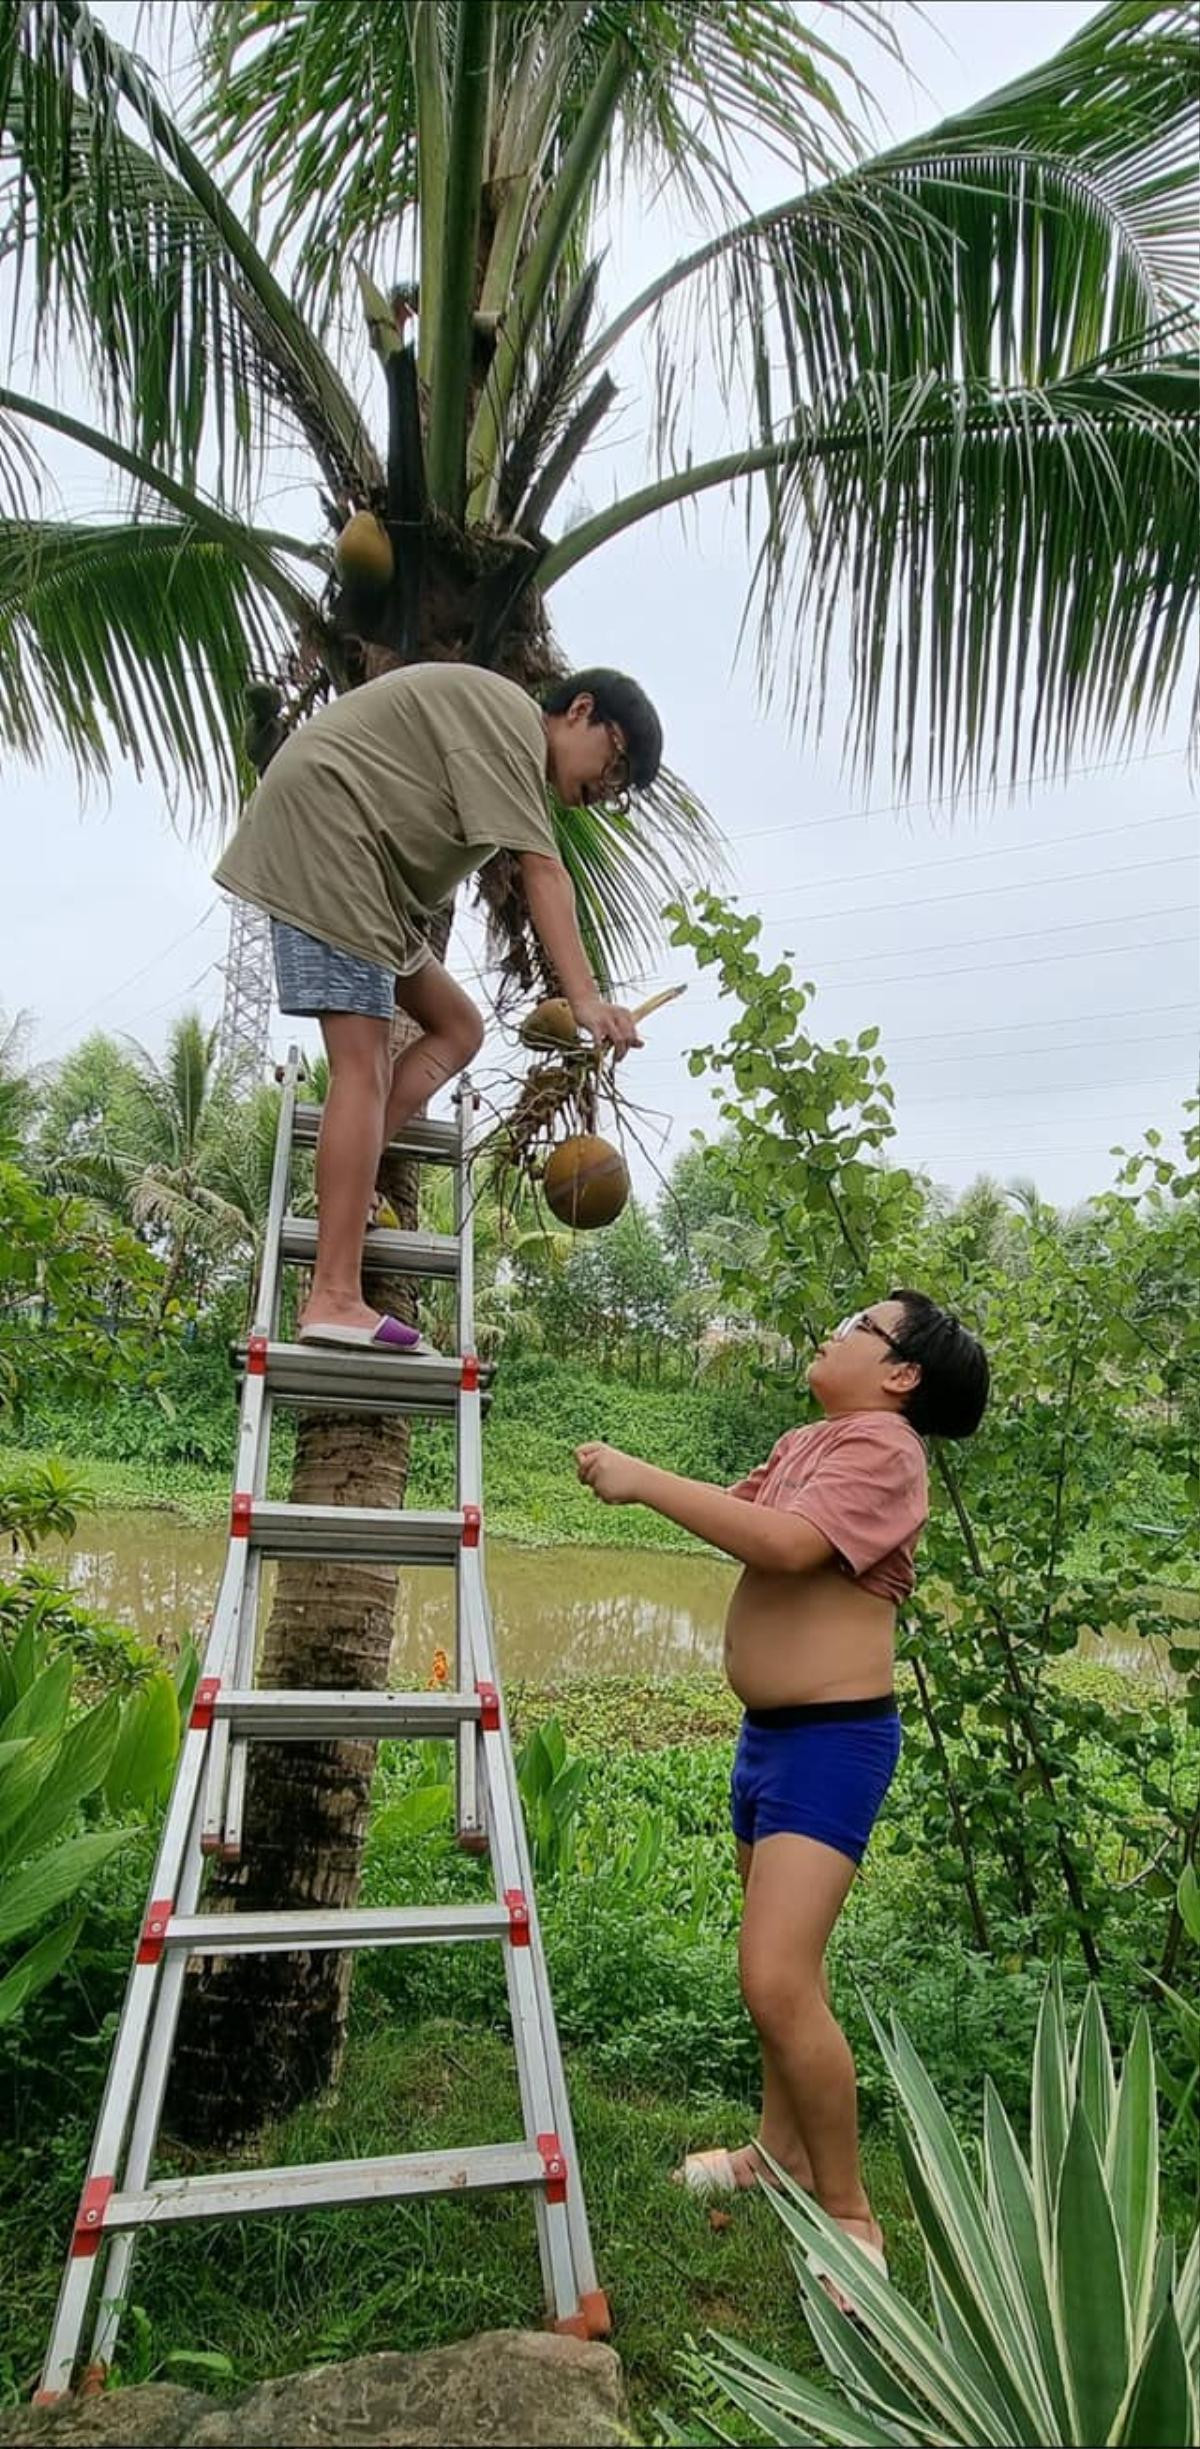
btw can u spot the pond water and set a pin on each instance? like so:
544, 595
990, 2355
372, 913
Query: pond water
558, 1611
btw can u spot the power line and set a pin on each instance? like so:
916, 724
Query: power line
914, 977
975, 892
94, 1006
1000, 1028
1003, 850
1042, 1088
1009, 935
898, 807
999, 1054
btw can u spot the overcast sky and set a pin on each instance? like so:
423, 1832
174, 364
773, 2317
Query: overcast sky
1031, 959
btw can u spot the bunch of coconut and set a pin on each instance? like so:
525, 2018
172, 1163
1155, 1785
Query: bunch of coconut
585, 1181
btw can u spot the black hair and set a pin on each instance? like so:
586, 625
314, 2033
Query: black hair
949, 1397
617, 699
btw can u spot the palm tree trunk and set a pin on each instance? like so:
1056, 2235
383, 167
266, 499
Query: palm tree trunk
258, 2034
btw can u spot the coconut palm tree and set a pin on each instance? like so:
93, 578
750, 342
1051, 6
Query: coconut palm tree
961, 412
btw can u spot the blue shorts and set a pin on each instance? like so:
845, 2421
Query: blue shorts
312, 977
818, 1770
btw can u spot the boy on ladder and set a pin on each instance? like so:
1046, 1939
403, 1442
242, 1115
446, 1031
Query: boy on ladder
365, 821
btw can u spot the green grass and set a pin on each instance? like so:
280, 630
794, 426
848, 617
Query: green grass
276, 2296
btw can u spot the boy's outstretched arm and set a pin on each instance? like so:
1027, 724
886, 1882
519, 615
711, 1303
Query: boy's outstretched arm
551, 897
761, 1535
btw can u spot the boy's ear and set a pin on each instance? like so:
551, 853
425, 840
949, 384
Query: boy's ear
903, 1377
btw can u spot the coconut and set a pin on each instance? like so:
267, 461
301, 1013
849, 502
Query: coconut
586, 1182
551, 1023
363, 551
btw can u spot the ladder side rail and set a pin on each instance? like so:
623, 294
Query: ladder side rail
143, 2138
478, 1612
469, 1784
172, 1871
229, 1762
266, 1304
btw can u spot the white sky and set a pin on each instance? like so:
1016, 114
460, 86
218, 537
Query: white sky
1031, 959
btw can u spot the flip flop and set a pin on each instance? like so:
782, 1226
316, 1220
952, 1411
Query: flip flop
836, 2295
391, 1335
709, 2172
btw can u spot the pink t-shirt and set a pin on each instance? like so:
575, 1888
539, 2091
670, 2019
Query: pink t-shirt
862, 1481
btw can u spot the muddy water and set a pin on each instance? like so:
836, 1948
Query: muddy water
558, 1611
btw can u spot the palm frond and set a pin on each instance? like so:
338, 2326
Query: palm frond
128, 257
624, 864
1046, 227
316, 102
1017, 567
133, 639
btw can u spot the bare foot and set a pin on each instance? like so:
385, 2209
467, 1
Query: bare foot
323, 1310
867, 2233
748, 2166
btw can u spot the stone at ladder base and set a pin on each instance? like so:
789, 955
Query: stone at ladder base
524, 2387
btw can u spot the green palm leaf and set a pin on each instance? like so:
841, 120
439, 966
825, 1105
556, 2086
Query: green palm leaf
139, 260
136, 638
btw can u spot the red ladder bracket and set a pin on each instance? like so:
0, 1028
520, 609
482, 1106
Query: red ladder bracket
472, 1525
204, 1703
489, 1708
154, 1930
240, 1513
89, 2218
555, 2167
256, 1357
470, 1373
518, 1916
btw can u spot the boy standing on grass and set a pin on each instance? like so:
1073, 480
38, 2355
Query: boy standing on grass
826, 1530
364, 822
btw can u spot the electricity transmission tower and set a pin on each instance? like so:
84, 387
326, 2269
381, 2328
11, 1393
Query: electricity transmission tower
246, 1011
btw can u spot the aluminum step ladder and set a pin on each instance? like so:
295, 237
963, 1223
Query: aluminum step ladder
121, 2195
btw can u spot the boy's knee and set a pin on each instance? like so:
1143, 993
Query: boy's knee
364, 1060
468, 1036
779, 1998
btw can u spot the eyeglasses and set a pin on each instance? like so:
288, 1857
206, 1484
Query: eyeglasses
613, 787
862, 1319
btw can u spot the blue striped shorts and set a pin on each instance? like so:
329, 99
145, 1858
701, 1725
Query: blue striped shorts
312, 977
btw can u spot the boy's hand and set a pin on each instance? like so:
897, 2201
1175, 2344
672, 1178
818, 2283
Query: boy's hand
610, 1024
612, 1476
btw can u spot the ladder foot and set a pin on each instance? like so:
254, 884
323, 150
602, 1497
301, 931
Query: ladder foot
472, 1841
93, 2381
592, 2321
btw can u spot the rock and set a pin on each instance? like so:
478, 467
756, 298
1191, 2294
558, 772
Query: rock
521, 2386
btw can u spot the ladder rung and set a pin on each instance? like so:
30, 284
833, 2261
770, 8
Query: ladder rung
326, 2185
436, 1142
274, 1934
384, 1251
356, 1532
302, 1717
361, 1380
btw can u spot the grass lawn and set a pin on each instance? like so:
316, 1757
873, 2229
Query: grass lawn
274, 2296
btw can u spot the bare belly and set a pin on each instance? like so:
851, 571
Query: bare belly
793, 1637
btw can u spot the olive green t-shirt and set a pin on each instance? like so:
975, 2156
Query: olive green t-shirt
374, 811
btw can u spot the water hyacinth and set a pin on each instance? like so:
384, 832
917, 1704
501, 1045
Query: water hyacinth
1060, 2314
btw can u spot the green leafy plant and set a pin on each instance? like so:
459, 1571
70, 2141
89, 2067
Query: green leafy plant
1060, 2312
53, 1766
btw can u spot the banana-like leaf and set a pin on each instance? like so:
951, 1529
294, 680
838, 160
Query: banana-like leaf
42, 1708
40, 1964
76, 1770
25, 1777
146, 1746
1187, 2303
51, 1878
